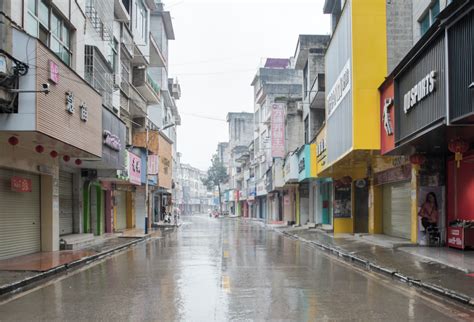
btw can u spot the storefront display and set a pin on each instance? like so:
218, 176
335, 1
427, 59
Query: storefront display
342, 200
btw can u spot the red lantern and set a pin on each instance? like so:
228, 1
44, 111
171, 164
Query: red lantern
39, 148
13, 140
53, 154
78, 162
417, 159
458, 147
66, 158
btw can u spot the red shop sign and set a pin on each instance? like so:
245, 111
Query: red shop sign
19, 184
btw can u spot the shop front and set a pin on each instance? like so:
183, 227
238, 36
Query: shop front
322, 189
252, 199
306, 176
290, 194
128, 182
100, 177
261, 199
430, 123
43, 134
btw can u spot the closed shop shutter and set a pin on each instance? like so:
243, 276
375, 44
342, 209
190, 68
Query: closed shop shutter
140, 209
20, 224
121, 204
65, 203
397, 209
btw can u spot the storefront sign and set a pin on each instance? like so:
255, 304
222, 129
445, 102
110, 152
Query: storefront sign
278, 130
420, 91
386, 117
290, 170
53, 71
301, 165
261, 188
19, 184
70, 102
340, 88
84, 113
387, 122
134, 169
321, 147
342, 201
153, 164
252, 193
112, 141
401, 173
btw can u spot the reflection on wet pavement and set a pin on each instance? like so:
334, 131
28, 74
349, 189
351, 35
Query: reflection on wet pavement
220, 270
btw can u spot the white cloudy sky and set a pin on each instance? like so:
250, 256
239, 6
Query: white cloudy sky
218, 47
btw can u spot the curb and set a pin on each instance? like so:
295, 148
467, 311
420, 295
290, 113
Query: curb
371, 266
12, 287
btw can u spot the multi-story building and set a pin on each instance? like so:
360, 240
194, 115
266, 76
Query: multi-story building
277, 91
76, 91
426, 104
240, 136
196, 198
313, 191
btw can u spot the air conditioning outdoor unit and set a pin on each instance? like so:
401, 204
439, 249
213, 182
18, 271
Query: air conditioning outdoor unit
299, 107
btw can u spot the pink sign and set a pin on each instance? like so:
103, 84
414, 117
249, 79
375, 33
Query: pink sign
53, 71
278, 130
153, 164
135, 168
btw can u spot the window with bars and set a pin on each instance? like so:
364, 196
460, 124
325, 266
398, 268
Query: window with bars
99, 74
45, 23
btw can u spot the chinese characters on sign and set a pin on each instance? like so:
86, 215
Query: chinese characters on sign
84, 114
153, 161
278, 131
70, 102
19, 184
340, 89
53, 72
134, 169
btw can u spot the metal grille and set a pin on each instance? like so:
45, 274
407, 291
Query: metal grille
99, 74
20, 219
100, 17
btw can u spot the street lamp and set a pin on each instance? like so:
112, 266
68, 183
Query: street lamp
147, 202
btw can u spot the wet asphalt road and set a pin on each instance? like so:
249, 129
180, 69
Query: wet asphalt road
220, 270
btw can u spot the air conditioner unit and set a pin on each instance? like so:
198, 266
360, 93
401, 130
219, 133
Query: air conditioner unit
299, 107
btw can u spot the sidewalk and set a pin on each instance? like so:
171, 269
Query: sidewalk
21, 271
444, 271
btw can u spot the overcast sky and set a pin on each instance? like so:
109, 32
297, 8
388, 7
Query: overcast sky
218, 48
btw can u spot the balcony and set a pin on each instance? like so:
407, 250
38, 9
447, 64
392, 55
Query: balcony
156, 56
137, 104
146, 86
316, 97
175, 88
120, 11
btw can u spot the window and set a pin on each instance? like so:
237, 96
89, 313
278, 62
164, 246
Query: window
429, 17
45, 23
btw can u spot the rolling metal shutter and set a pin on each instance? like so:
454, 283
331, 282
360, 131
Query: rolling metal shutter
20, 219
397, 209
65, 203
140, 209
121, 204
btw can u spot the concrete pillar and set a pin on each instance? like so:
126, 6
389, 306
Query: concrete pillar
50, 211
375, 209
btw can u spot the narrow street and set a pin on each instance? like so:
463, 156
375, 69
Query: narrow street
220, 270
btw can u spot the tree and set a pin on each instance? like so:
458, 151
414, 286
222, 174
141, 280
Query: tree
216, 175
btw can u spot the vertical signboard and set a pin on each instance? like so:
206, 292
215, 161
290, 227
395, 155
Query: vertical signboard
387, 128
134, 169
278, 130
